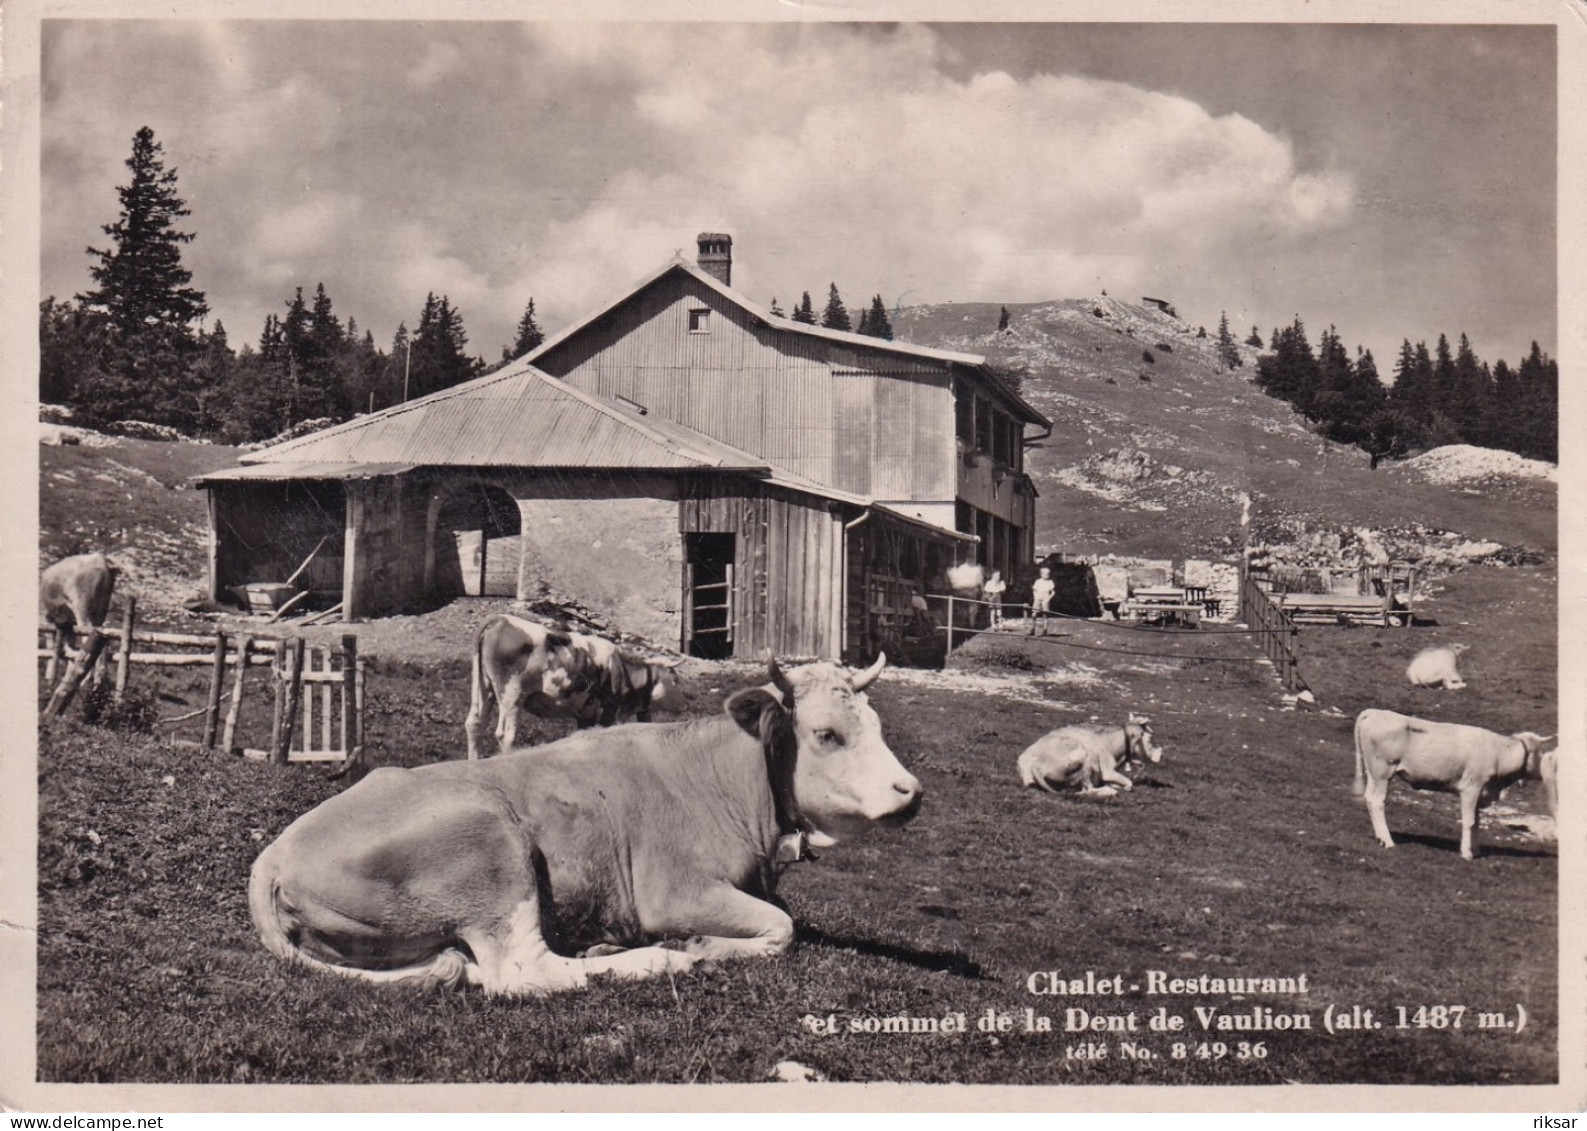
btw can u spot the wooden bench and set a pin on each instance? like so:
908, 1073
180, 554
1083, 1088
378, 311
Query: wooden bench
1332, 608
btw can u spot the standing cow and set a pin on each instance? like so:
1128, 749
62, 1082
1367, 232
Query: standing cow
520, 663
498, 872
75, 592
1477, 764
1087, 757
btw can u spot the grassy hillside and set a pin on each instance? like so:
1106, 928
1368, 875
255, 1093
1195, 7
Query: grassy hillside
1149, 458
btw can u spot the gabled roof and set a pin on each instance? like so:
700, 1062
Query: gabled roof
787, 325
515, 417
521, 417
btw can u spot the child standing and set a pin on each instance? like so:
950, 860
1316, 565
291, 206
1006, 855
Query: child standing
993, 591
1041, 595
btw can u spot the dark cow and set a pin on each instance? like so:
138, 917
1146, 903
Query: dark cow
523, 664
75, 592
496, 872
1475, 763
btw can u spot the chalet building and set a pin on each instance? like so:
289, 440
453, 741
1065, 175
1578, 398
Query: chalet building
684, 463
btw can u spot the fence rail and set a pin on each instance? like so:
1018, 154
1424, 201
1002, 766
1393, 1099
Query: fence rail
317, 689
1273, 627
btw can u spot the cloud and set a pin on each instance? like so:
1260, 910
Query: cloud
564, 160
849, 157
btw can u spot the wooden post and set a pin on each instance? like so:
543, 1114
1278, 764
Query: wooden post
949, 652
294, 692
359, 706
217, 680
349, 694
229, 735
80, 668
329, 731
278, 685
57, 651
129, 619
306, 727
294, 697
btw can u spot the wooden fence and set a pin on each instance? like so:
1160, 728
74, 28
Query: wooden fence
317, 690
1273, 628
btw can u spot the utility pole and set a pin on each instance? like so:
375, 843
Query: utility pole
407, 366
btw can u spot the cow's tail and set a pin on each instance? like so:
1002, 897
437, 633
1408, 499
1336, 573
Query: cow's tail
1360, 784
264, 890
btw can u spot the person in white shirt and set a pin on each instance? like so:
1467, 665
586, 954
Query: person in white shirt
993, 590
1041, 595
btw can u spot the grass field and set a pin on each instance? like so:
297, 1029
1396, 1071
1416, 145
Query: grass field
1243, 853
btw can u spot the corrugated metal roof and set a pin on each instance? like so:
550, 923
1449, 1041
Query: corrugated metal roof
517, 417
269, 472
860, 341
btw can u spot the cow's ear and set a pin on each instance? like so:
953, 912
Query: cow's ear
747, 708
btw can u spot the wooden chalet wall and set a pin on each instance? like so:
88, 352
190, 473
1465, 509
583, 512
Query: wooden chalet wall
863, 421
787, 564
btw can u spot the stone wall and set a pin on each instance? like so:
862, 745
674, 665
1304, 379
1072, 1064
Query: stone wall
607, 541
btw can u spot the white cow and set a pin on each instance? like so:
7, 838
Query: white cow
1450, 757
1436, 667
1087, 756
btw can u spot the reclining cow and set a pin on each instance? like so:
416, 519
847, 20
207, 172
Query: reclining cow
1450, 757
1437, 667
1088, 757
497, 872
522, 664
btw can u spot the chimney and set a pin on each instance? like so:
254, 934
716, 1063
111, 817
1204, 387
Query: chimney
716, 256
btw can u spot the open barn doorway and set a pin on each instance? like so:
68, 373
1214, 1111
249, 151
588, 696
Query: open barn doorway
477, 543
709, 595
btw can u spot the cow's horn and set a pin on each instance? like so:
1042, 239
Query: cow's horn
868, 676
778, 680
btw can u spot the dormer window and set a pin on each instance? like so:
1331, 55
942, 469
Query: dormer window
699, 320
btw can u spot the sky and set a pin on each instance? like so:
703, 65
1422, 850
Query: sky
1394, 181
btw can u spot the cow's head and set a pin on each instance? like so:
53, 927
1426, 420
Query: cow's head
1138, 746
831, 771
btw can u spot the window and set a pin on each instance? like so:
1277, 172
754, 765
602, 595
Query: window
699, 320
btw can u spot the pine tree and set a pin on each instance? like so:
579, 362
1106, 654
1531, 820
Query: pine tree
1290, 372
804, 312
142, 283
72, 343
529, 335
1002, 319
835, 317
1228, 352
439, 359
776, 311
874, 323
1255, 339
142, 290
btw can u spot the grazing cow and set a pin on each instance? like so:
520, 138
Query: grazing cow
74, 593
1087, 757
520, 663
1450, 757
1435, 667
495, 872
